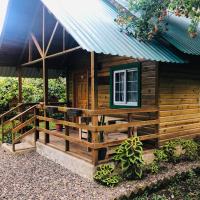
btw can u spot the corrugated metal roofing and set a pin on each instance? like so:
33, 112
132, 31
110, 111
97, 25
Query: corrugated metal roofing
177, 34
91, 23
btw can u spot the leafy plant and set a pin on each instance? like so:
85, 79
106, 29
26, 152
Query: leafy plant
129, 158
154, 167
105, 176
160, 155
191, 149
170, 150
149, 17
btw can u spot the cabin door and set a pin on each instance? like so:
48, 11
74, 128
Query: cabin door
81, 90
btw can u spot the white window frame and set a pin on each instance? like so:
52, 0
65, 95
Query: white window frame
124, 103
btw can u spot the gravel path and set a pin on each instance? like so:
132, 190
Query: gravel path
31, 176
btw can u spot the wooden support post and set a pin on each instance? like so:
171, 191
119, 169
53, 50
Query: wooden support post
94, 89
94, 105
67, 87
20, 109
2, 129
45, 77
66, 133
129, 129
13, 137
19, 85
30, 50
36, 124
95, 139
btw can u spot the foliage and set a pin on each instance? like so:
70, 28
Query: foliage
32, 91
191, 149
149, 19
183, 186
105, 176
154, 167
170, 150
129, 158
160, 155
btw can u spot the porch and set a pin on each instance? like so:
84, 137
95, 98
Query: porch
84, 134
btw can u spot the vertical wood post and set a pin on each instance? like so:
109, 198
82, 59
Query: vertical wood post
2, 129
45, 76
13, 137
19, 85
94, 105
66, 133
36, 124
20, 98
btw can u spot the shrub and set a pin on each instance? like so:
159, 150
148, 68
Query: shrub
191, 149
170, 150
160, 155
129, 158
105, 175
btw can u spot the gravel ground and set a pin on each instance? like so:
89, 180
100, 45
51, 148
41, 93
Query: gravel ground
31, 176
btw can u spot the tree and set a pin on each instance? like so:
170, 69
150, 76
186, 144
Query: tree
150, 16
32, 91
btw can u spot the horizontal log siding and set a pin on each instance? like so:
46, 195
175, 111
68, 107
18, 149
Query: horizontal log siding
148, 81
179, 100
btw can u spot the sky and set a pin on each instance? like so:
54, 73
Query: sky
3, 9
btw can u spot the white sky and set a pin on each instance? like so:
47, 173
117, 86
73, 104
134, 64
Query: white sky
3, 9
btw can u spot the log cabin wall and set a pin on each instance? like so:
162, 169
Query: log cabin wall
179, 101
148, 80
149, 96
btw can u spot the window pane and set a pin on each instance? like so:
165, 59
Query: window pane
132, 96
119, 86
132, 86
117, 77
132, 75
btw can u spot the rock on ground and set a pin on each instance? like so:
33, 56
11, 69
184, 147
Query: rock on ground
31, 176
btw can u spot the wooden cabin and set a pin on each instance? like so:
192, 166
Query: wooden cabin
116, 86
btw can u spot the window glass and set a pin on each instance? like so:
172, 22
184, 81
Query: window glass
125, 87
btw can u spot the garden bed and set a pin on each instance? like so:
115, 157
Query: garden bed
166, 183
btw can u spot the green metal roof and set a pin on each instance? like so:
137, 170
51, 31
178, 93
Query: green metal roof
91, 23
177, 33
178, 36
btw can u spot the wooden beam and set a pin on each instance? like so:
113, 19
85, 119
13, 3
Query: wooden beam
19, 85
30, 50
31, 62
45, 77
52, 36
37, 45
94, 91
63, 52
64, 39
52, 56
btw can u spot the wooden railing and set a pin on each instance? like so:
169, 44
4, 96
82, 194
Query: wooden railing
101, 136
128, 125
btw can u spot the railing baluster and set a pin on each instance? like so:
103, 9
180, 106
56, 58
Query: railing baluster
2, 129
36, 124
95, 139
66, 133
13, 137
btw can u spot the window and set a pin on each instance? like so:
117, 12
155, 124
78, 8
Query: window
125, 86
